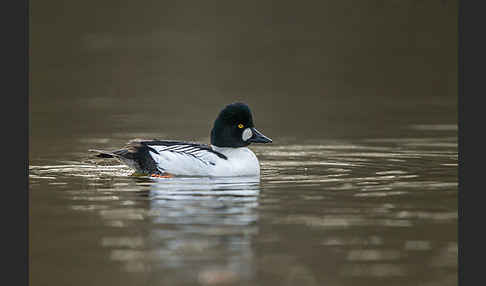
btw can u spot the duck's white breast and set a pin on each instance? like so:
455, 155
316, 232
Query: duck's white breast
240, 162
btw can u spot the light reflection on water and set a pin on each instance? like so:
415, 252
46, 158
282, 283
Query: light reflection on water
193, 221
377, 211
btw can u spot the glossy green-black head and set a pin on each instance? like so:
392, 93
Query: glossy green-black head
234, 128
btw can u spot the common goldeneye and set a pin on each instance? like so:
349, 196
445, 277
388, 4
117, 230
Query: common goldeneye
226, 156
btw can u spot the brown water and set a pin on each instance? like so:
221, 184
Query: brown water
358, 188
325, 212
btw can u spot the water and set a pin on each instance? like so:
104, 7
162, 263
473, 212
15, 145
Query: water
359, 186
356, 212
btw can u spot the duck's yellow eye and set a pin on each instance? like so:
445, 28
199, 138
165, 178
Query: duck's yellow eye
240, 126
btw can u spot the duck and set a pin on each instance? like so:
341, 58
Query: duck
227, 155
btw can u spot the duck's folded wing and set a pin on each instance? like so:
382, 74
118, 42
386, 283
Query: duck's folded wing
182, 158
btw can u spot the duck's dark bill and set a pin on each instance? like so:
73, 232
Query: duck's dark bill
259, 137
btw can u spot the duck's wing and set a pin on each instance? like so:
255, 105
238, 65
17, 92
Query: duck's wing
167, 156
183, 158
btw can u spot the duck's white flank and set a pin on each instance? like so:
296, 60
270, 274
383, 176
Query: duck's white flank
240, 162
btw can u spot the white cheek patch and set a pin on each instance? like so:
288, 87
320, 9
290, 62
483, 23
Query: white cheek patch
246, 134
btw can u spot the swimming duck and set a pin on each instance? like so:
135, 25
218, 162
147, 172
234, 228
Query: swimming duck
226, 156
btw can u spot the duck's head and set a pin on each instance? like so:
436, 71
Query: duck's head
234, 128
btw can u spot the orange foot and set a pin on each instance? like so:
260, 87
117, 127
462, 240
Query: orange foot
166, 175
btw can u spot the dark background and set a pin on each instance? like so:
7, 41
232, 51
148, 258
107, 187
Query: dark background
312, 69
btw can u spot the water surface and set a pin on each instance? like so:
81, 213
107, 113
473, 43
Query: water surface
324, 212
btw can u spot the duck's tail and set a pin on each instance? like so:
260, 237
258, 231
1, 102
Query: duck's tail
104, 154
135, 156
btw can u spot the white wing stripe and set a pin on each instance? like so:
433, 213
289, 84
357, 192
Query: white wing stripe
184, 149
180, 147
191, 149
169, 148
159, 148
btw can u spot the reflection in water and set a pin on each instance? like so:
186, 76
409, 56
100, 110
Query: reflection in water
381, 211
208, 218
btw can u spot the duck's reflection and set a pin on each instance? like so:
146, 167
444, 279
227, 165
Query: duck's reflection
193, 228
